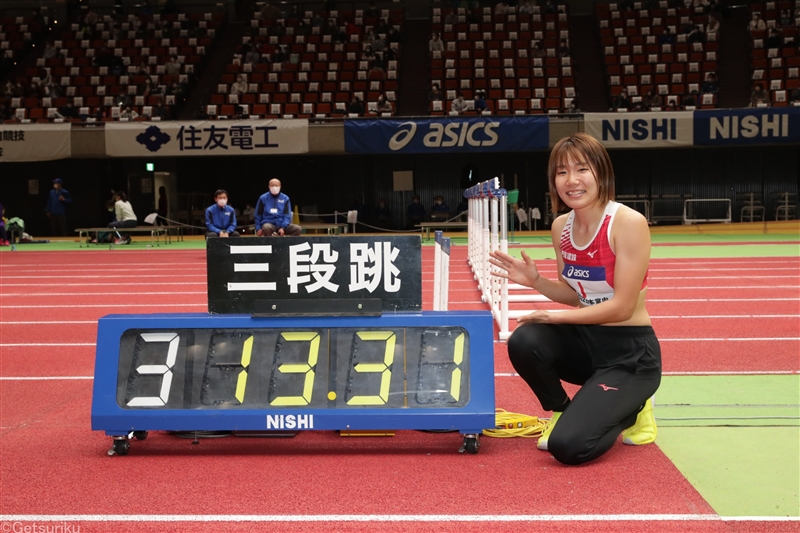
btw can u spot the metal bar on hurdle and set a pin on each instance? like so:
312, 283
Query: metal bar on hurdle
441, 272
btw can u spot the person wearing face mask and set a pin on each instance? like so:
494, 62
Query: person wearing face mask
220, 217
274, 213
440, 212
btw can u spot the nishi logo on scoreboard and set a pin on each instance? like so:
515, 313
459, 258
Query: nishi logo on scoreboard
290, 421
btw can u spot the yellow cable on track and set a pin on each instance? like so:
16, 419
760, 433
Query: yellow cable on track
509, 425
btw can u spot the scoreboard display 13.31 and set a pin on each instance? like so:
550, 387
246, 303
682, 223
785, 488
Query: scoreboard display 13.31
197, 372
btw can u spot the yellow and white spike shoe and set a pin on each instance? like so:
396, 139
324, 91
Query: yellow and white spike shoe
542, 444
644, 431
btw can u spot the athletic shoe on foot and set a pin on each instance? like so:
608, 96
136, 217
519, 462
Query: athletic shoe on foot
644, 431
542, 444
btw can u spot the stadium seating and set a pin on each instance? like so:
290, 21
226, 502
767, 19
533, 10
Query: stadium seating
494, 53
777, 68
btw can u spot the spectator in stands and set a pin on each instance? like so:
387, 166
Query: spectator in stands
786, 19
712, 28
794, 96
251, 54
301, 28
710, 86
274, 213
415, 212
563, 48
573, 108
501, 8
142, 69
129, 113
689, 100
163, 206
480, 102
248, 215
651, 100
435, 93
383, 27
450, 18
240, 86
538, 51
379, 44
351, 29
774, 39
279, 29
173, 66
459, 105
672, 105
759, 97
57, 201
550, 7
279, 56
148, 89
317, 21
383, 215
175, 89
220, 217
525, 7
356, 107
49, 50
756, 24
435, 44
620, 101
440, 212
384, 105
696, 35
368, 54
666, 36
372, 11
160, 111
393, 36
369, 36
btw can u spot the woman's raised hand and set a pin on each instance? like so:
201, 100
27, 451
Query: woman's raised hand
522, 271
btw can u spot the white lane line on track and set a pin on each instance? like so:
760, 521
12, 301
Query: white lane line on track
667, 317
335, 518
497, 375
44, 322
705, 339
50, 344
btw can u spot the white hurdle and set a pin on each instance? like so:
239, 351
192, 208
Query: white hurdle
441, 272
487, 232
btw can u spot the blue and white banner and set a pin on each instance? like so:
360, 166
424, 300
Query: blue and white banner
229, 137
35, 142
447, 135
640, 130
749, 126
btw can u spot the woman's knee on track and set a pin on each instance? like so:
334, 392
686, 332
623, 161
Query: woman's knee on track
569, 447
528, 342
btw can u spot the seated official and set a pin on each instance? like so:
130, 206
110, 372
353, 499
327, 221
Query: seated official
440, 212
274, 213
220, 217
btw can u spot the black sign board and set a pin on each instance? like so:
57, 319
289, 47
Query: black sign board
245, 273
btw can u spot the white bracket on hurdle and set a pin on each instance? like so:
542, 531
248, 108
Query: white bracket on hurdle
487, 231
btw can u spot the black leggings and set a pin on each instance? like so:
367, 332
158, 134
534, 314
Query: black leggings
619, 368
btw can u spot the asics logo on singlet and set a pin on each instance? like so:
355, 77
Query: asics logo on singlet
577, 273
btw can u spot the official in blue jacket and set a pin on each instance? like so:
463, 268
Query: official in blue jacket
57, 208
274, 213
220, 217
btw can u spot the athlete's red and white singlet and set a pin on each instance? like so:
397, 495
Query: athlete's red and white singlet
590, 269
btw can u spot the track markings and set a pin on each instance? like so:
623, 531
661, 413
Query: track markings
337, 518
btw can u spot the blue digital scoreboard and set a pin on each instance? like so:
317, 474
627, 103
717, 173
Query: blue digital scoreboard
200, 372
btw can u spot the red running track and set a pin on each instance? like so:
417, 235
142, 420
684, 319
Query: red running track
52, 463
